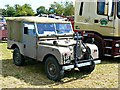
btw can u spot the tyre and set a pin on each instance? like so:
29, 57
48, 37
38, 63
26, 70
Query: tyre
4, 39
87, 54
52, 69
87, 69
100, 49
18, 58
88, 40
98, 44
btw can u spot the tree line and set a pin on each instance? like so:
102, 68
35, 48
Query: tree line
64, 8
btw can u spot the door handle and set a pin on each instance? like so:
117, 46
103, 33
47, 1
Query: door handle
96, 21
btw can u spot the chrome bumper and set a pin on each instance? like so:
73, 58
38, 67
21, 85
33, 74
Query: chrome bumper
80, 64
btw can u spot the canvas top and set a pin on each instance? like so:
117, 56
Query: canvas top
36, 19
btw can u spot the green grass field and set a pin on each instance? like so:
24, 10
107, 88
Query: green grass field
32, 74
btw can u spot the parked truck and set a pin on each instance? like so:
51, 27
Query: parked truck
99, 20
3, 29
50, 41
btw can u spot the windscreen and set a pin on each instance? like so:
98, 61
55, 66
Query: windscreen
46, 28
54, 28
63, 28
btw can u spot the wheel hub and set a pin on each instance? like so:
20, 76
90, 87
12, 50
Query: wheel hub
52, 69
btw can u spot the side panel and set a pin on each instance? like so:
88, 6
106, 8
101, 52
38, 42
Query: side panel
20, 45
44, 50
29, 40
85, 13
15, 30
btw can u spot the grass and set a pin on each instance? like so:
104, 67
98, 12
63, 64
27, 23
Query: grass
32, 74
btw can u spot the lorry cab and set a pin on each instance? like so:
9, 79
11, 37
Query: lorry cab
50, 41
100, 19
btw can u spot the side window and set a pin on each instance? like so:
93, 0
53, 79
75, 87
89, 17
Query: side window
29, 29
102, 7
81, 9
118, 9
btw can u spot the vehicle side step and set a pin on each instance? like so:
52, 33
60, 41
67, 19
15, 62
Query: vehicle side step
108, 47
107, 55
108, 39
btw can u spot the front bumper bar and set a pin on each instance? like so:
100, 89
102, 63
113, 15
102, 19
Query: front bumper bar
82, 64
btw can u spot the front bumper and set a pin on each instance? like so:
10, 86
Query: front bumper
82, 64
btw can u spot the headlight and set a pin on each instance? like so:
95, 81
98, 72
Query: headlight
66, 58
117, 45
71, 48
84, 50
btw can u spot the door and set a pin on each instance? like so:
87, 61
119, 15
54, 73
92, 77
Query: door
29, 40
102, 23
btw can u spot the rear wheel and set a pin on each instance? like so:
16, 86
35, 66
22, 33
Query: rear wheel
87, 69
53, 69
18, 58
4, 39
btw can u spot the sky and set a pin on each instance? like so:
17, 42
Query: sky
34, 3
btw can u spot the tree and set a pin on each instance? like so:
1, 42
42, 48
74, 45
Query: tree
56, 8
27, 10
18, 10
4, 12
41, 10
10, 11
65, 8
24, 10
59, 8
52, 9
69, 9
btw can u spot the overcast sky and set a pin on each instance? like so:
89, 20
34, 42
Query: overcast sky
34, 3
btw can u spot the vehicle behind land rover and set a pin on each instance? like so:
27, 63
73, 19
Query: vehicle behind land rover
100, 20
50, 41
3, 29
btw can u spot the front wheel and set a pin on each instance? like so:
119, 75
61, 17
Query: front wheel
98, 43
18, 58
53, 69
87, 69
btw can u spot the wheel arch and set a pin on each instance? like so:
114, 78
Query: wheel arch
14, 46
94, 35
17, 46
98, 40
48, 55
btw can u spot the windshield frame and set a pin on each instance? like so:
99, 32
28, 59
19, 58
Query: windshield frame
42, 34
55, 29
64, 33
118, 9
